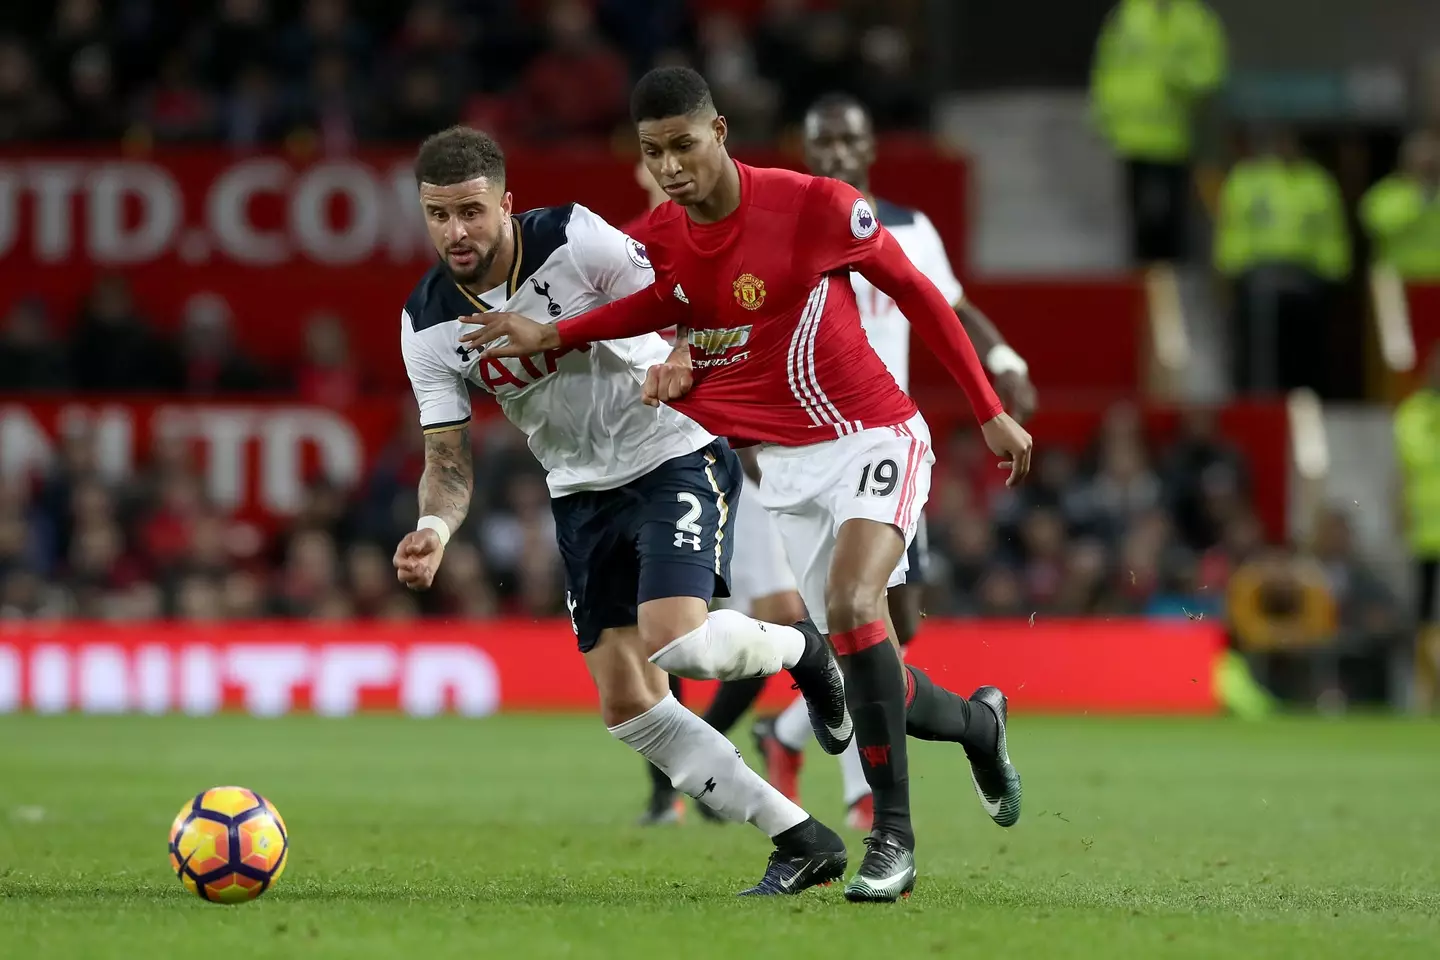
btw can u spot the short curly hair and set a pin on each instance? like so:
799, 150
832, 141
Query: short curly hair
669, 92
459, 154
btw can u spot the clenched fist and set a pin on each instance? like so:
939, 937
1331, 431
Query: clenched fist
665, 382
418, 558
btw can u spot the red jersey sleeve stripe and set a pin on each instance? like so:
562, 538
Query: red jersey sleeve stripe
827, 409
797, 373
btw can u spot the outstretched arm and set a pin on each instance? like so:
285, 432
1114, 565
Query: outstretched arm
892, 273
638, 299
648, 311
645, 311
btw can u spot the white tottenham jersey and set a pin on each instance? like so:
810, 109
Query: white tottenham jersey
580, 408
887, 328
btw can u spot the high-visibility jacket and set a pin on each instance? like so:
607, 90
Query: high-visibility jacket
1152, 63
1403, 219
1273, 212
1417, 443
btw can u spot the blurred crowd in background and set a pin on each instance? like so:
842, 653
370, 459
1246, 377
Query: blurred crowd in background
1129, 525
334, 72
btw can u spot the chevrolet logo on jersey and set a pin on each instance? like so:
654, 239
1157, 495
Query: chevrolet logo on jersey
718, 341
750, 291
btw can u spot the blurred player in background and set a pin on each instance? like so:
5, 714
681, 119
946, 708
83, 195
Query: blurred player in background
840, 143
641, 497
761, 585
754, 264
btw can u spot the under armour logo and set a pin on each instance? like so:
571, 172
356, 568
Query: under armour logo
876, 756
464, 354
681, 539
709, 788
552, 307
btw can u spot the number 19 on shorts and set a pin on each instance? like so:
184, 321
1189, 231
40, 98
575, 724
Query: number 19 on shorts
878, 479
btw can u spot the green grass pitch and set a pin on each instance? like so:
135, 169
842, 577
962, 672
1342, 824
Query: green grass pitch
511, 838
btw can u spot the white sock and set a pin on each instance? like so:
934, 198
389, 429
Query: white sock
852, 775
731, 646
792, 727
703, 764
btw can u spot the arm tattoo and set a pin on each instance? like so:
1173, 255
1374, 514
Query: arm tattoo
449, 476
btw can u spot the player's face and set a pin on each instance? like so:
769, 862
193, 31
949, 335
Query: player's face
840, 144
685, 155
466, 222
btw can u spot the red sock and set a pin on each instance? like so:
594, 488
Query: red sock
861, 638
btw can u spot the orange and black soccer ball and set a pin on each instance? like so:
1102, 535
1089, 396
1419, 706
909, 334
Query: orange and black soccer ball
228, 845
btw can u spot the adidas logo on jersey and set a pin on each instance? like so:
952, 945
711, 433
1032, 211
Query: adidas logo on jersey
680, 294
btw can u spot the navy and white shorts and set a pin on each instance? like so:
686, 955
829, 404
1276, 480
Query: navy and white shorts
666, 534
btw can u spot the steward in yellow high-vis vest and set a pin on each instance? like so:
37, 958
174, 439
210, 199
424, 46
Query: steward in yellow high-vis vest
1281, 236
1417, 445
1277, 209
1154, 61
1401, 213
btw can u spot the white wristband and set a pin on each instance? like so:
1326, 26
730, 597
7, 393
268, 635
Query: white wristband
441, 528
1003, 359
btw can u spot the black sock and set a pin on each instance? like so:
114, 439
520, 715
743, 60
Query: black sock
659, 782
732, 700
875, 693
808, 835
935, 713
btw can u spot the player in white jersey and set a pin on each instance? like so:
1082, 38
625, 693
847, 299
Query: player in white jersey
840, 143
642, 497
761, 585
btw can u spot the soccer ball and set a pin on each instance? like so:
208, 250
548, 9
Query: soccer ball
228, 845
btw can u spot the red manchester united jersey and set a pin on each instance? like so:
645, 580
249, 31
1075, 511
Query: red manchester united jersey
776, 340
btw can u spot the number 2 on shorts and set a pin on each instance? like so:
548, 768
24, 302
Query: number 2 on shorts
687, 531
886, 476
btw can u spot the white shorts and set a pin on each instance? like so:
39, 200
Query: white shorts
757, 567
881, 474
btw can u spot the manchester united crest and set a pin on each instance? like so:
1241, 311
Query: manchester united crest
749, 291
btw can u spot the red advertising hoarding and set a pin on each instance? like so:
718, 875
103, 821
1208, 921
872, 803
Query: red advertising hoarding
282, 238
255, 459
475, 669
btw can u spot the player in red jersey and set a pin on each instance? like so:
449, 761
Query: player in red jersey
840, 143
754, 265
763, 587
